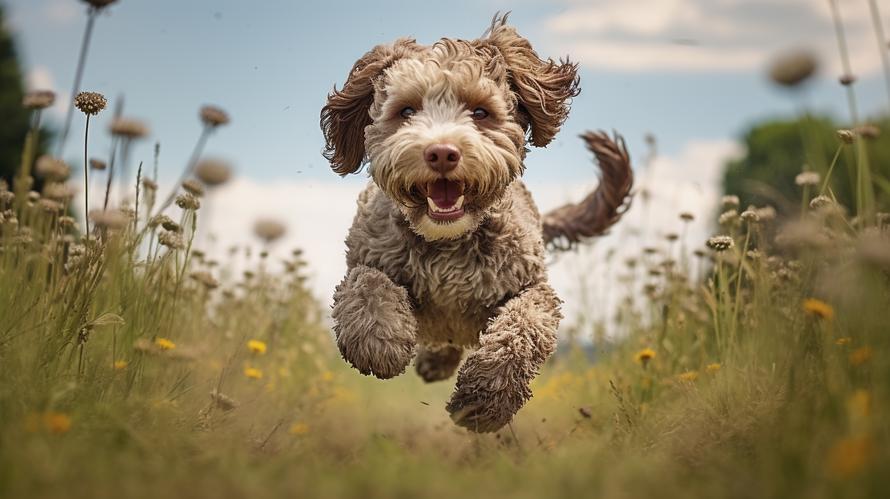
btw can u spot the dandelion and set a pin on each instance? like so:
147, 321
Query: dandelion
165, 344
860, 356
299, 429
213, 116
193, 187
807, 178
849, 456
730, 201
90, 103
98, 164
687, 377
257, 347
818, 308
793, 68
253, 373
720, 243
119, 365
269, 230
213, 172
38, 99
644, 356
712, 368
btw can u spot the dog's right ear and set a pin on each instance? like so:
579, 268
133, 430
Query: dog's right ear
345, 116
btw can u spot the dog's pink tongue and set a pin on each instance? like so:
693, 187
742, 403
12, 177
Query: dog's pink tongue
444, 192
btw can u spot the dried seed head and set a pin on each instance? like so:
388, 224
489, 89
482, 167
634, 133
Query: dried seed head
49, 205
193, 187
223, 401
699, 253
58, 191
807, 178
820, 202
33, 196
687, 216
793, 68
750, 216
672, 236
38, 99
720, 243
52, 168
67, 222
98, 164
7, 197
874, 249
806, 234
109, 219
205, 279
269, 230
846, 136
730, 201
188, 201
100, 4
766, 213
149, 184
728, 217
213, 172
847, 79
172, 240
868, 131
650, 250
213, 116
90, 103
158, 220
128, 128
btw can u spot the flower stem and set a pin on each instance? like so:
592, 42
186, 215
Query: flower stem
78, 76
86, 178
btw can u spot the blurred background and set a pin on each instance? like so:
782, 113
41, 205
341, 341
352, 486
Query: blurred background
685, 81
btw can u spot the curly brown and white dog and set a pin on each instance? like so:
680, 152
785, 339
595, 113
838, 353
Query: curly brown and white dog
446, 253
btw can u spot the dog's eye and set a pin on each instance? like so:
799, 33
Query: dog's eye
479, 114
407, 112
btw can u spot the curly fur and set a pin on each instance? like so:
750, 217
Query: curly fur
478, 282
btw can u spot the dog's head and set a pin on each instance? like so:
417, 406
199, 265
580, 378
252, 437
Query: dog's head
445, 127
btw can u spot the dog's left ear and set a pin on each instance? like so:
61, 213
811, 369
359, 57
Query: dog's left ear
544, 88
345, 116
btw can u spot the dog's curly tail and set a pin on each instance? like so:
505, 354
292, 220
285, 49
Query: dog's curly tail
568, 225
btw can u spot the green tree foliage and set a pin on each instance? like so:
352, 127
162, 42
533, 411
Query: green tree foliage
15, 118
773, 158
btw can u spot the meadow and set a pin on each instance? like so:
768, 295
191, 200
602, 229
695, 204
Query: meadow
753, 364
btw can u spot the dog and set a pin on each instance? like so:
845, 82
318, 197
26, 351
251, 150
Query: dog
446, 254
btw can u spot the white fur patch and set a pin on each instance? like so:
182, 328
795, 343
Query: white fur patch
431, 230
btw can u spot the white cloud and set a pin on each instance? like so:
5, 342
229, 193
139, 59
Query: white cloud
710, 35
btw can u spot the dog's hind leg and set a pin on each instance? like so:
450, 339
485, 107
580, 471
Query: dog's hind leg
436, 363
493, 383
373, 322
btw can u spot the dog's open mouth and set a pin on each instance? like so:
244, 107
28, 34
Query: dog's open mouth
445, 200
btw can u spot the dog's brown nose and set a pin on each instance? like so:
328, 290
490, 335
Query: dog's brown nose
442, 157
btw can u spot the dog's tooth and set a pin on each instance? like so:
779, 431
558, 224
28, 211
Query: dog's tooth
460, 202
432, 204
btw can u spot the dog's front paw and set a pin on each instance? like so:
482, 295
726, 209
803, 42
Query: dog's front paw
489, 391
373, 323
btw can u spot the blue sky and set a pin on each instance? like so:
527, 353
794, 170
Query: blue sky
689, 71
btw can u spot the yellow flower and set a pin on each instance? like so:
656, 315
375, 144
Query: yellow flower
299, 429
712, 368
327, 376
120, 365
859, 404
253, 373
165, 344
860, 356
848, 456
818, 308
687, 377
843, 341
256, 346
645, 355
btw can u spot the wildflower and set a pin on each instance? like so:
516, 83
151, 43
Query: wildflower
730, 201
223, 401
644, 356
128, 128
720, 243
299, 429
687, 377
818, 308
868, 131
171, 240
699, 253
850, 455
165, 344
149, 184
109, 219
860, 356
820, 202
269, 230
256, 346
38, 99
57, 422
846, 136
213, 172
67, 222
213, 116
253, 373
793, 68
90, 103
750, 216
843, 341
52, 168
712, 368
671, 236
847, 79
193, 187
97, 164
119, 365
205, 278
807, 178
754, 254
766, 213
728, 217
687, 217
188, 201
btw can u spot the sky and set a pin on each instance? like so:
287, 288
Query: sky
689, 72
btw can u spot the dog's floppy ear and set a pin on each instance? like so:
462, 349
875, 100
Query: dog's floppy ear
345, 116
544, 88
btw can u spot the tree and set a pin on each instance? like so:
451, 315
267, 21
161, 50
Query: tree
15, 118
